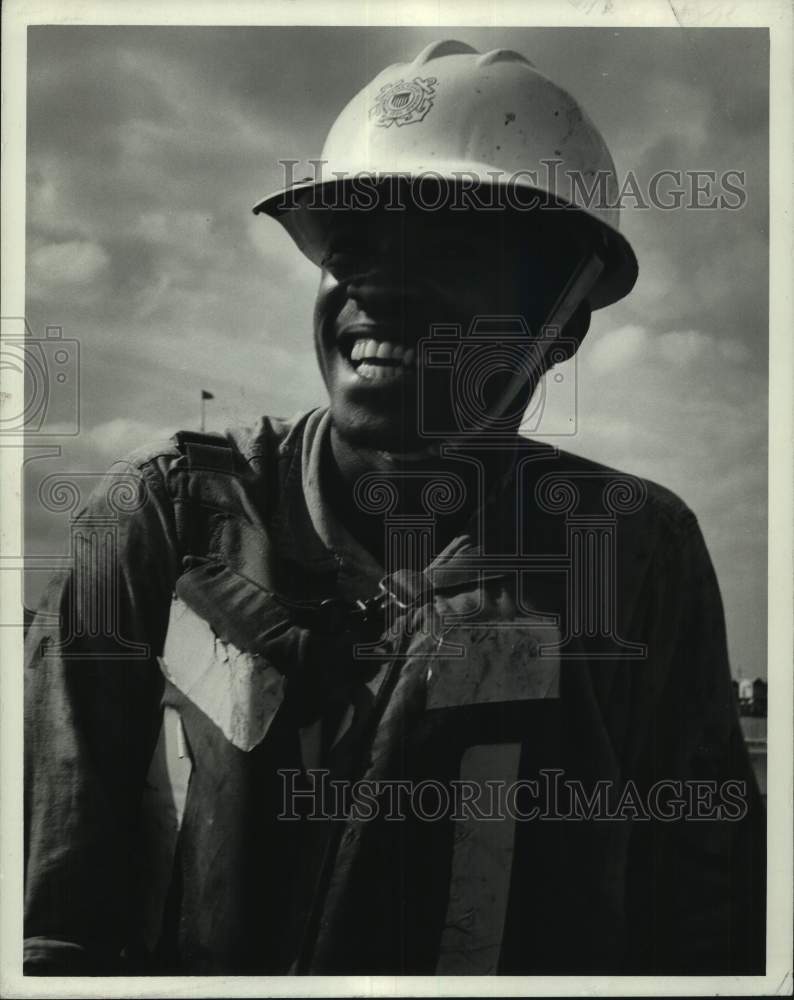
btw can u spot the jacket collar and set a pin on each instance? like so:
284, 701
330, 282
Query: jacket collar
308, 535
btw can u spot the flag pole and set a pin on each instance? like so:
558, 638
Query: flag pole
204, 397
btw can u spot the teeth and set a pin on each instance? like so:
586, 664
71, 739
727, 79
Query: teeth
383, 351
377, 373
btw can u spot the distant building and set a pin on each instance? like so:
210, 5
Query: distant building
751, 696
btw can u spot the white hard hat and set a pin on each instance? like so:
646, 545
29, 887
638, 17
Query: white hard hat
456, 114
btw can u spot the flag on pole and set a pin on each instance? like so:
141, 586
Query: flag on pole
204, 396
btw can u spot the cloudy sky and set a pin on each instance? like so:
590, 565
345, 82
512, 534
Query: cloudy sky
148, 147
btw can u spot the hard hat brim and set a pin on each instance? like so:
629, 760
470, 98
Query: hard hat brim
303, 209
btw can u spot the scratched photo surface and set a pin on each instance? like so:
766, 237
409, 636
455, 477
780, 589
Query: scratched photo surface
158, 302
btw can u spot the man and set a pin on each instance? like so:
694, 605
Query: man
390, 688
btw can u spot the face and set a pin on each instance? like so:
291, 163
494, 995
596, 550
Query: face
389, 276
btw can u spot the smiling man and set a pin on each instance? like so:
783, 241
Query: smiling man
390, 688
388, 278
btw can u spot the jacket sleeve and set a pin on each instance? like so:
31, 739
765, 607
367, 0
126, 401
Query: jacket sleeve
699, 880
92, 702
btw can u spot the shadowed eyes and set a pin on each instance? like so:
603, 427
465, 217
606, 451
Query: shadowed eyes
446, 255
342, 264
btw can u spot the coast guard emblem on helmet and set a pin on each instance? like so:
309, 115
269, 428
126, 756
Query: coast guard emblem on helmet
403, 103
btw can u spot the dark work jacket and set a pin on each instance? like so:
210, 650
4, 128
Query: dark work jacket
573, 636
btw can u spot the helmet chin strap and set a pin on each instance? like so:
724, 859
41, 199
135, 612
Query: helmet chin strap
579, 285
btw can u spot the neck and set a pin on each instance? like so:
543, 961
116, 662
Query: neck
409, 475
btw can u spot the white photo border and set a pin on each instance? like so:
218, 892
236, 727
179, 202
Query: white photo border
776, 15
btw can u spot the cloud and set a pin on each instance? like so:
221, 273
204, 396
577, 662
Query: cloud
618, 349
115, 438
56, 266
683, 347
186, 229
279, 255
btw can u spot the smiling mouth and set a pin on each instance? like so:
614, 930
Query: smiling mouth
378, 360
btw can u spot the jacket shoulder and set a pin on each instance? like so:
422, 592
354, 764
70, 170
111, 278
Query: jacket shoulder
656, 500
246, 444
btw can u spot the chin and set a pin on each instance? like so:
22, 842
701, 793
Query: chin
377, 432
